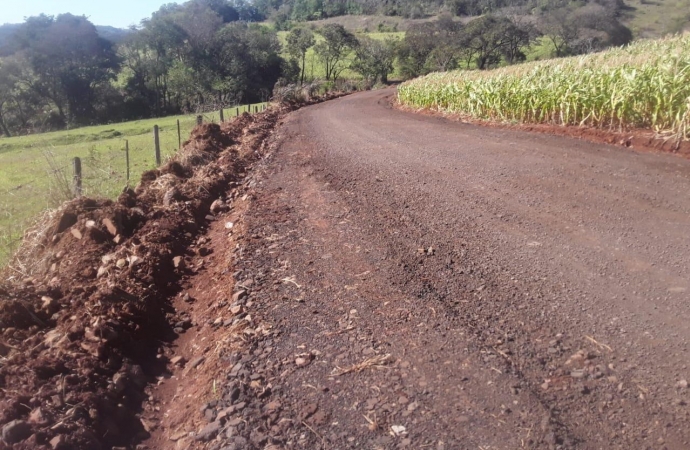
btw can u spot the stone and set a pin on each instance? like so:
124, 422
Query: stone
219, 206
208, 432
171, 196
177, 436
58, 442
178, 262
110, 226
196, 361
135, 261
15, 431
76, 233
178, 361
301, 362
683, 384
239, 295
39, 417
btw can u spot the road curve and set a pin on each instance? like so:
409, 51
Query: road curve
531, 291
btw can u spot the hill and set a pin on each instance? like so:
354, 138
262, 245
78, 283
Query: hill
115, 35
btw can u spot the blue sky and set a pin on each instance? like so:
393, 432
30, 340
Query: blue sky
116, 13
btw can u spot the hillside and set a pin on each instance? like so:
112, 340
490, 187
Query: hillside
655, 18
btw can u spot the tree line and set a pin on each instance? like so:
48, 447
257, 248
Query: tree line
57, 72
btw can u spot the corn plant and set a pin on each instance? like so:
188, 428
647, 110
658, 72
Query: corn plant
643, 85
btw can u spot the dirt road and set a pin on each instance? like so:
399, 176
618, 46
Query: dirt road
440, 285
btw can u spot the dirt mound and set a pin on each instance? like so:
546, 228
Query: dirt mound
85, 306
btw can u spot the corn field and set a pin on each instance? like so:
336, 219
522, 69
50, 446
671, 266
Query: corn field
643, 85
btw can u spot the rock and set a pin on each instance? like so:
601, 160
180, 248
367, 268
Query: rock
178, 361
219, 206
683, 384
229, 225
48, 302
240, 442
301, 362
58, 442
177, 436
76, 233
178, 262
135, 261
110, 226
15, 431
235, 310
208, 432
239, 295
121, 263
39, 417
398, 430
101, 271
578, 374
119, 382
196, 361
171, 196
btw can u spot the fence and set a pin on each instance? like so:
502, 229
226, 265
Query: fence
77, 171
99, 163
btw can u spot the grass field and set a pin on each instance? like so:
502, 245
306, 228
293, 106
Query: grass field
644, 85
36, 170
656, 18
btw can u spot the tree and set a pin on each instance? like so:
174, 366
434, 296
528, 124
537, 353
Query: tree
430, 46
7, 87
591, 27
489, 38
299, 41
68, 61
337, 45
374, 59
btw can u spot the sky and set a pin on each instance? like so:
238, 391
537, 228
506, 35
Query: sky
116, 13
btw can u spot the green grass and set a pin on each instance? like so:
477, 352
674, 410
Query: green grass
29, 183
644, 85
656, 18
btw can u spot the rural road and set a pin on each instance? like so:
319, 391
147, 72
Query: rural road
447, 286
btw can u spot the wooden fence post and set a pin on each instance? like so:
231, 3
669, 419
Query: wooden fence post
76, 166
127, 158
179, 136
199, 120
157, 144
222, 119
238, 112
